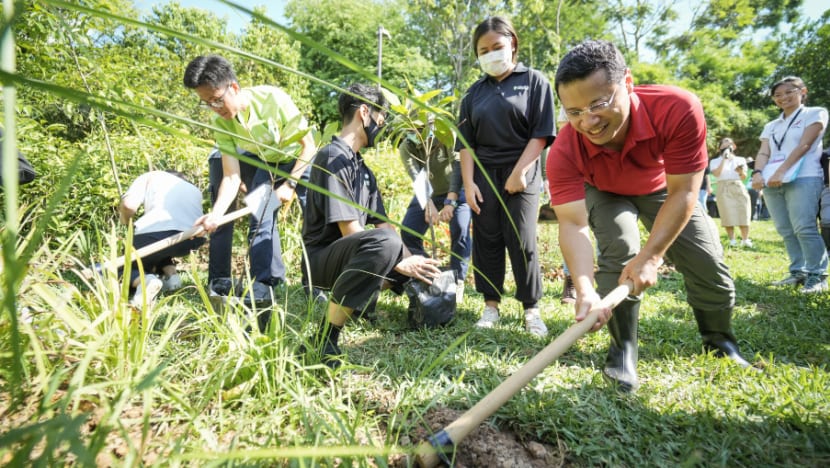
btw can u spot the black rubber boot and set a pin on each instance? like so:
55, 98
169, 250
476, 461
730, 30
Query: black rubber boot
621, 363
716, 331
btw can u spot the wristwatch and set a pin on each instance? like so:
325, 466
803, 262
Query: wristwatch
452, 203
291, 183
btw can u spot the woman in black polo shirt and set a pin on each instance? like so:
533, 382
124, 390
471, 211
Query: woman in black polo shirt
506, 118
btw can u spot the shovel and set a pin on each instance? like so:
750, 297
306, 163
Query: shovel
431, 452
258, 200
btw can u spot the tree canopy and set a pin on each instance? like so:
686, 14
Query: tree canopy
731, 52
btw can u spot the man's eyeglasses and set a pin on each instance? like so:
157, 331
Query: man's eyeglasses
592, 109
790, 92
216, 103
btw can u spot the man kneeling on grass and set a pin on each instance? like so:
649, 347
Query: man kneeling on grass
344, 256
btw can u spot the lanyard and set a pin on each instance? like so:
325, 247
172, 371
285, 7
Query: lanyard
780, 143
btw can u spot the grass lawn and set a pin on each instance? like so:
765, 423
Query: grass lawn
179, 384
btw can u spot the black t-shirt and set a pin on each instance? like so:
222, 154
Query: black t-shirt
498, 118
342, 172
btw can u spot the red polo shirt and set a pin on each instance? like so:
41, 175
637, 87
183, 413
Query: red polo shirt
667, 135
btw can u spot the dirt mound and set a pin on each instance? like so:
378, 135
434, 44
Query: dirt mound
489, 447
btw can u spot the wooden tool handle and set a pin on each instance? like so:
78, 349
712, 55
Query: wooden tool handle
428, 453
166, 242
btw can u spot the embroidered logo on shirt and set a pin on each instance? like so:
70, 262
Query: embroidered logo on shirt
521, 88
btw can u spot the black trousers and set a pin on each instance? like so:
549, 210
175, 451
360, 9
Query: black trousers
354, 267
496, 229
154, 263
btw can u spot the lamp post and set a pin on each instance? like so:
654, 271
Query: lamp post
381, 32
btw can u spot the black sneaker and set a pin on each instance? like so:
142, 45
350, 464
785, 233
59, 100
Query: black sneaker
368, 312
259, 295
224, 287
812, 284
319, 296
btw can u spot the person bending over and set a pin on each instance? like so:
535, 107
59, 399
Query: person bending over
171, 205
617, 163
250, 121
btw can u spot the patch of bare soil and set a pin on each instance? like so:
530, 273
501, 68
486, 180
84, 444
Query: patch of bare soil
553, 274
666, 270
486, 446
118, 441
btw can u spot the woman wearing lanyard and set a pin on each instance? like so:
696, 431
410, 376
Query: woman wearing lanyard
506, 117
732, 197
788, 168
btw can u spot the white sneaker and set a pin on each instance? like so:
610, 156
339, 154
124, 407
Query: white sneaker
459, 291
733, 243
152, 287
171, 283
534, 323
746, 243
488, 318
814, 284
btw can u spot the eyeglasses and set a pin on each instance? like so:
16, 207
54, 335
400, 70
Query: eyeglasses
790, 92
216, 103
592, 109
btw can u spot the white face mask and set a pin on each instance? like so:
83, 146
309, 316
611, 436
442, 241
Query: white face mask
497, 62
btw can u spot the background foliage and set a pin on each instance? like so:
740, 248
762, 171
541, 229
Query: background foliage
729, 56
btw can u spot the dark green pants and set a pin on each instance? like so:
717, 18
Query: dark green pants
696, 253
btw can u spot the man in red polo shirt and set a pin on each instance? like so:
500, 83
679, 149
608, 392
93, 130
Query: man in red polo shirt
633, 153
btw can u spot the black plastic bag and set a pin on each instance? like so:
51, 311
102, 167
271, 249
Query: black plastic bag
432, 305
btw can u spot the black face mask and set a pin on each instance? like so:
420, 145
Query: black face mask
372, 131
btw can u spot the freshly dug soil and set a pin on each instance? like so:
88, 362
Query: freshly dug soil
487, 446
